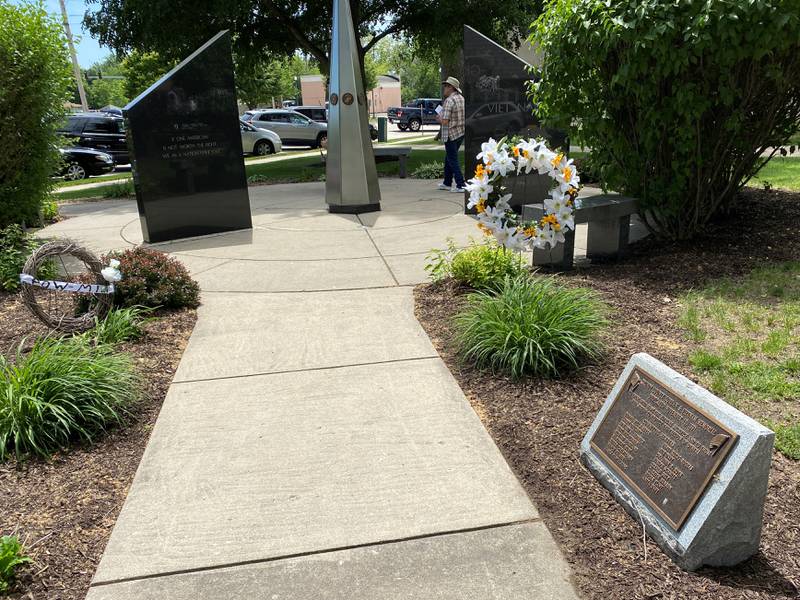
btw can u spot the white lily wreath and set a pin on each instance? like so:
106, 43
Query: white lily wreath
495, 217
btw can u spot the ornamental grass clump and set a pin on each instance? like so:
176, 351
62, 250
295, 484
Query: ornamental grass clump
532, 326
61, 391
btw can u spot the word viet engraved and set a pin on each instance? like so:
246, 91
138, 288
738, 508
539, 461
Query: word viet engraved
664, 447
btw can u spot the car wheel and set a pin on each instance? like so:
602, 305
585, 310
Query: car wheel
373, 134
263, 148
75, 172
414, 124
402, 127
322, 140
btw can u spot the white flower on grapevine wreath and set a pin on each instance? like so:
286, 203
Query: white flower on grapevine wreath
495, 217
111, 273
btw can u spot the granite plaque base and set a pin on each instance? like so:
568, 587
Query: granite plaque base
687, 465
186, 148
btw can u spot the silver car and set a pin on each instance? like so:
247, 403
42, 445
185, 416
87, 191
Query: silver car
260, 142
293, 128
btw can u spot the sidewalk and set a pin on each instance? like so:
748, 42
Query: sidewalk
313, 444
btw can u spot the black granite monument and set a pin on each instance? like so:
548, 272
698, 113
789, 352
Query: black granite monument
496, 103
185, 140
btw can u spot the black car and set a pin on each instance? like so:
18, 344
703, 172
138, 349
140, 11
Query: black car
80, 163
101, 131
320, 114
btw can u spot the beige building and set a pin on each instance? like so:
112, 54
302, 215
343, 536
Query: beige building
385, 94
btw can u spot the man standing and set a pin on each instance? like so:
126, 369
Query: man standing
452, 120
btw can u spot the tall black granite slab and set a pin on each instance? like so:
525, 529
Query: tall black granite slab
496, 104
186, 147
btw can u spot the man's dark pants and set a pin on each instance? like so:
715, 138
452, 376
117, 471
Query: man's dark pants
452, 168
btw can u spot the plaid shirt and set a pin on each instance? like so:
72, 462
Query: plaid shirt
453, 112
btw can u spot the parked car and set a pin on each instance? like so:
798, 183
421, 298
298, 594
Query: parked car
415, 114
80, 163
320, 115
293, 128
260, 142
101, 131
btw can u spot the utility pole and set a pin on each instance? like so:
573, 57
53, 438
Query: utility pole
75, 67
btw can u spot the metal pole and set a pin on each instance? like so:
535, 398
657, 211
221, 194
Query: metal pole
75, 67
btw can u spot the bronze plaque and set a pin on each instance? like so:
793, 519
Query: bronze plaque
347, 98
661, 445
334, 99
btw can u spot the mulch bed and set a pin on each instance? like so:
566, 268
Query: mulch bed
538, 425
64, 508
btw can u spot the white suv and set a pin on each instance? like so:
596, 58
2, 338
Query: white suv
293, 128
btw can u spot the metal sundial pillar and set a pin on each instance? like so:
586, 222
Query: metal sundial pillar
351, 180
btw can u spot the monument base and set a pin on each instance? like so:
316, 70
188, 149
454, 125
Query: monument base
354, 209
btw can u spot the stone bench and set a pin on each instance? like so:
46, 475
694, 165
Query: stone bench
388, 153
609, 219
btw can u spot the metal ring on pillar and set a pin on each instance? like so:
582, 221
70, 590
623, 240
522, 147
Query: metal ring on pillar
334, 99
347, 98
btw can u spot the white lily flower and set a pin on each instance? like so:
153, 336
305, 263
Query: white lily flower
488, 151
111, 275
503, 202
566, 216
113, 263
568, 177
503, 163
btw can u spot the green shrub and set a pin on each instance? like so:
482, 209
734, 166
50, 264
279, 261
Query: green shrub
429, 171
120, 325
62, 390
12, 556
678, 100
50, 211
34, 82
15, 247
479, 266
153, 279
532, 326
119, 190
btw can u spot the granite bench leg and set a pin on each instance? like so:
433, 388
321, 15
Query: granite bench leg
558, 258
608, 238
402, 160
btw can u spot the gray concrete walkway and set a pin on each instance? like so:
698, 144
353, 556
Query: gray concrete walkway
313, 444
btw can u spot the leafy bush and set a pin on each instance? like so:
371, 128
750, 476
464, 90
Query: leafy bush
481, 265
120, 325
678, 100
60, 391
50, 212
34, 82
429, 171
15, 247
119, 190
153, 279
12, 555
532, 326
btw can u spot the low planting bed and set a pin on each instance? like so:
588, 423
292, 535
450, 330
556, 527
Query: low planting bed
62, 494
690, 306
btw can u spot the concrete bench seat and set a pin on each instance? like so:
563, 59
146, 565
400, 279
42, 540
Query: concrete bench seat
609, 219
388, 153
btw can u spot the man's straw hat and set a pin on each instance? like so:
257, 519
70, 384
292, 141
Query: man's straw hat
455, 83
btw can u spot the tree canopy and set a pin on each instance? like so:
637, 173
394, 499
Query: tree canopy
174, 28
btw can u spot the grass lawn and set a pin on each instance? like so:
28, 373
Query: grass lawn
746, 346
780, 172
293, 170
111, 176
